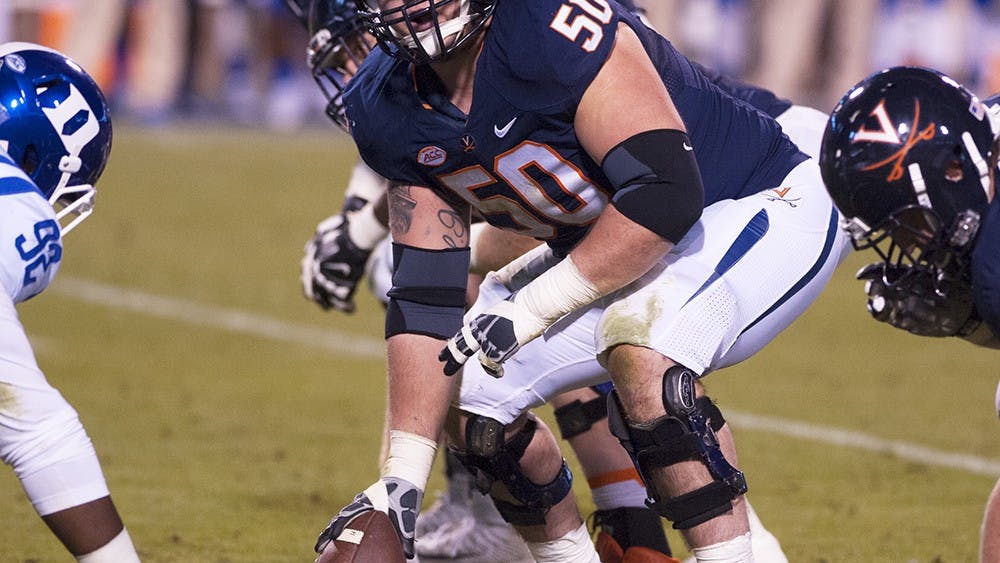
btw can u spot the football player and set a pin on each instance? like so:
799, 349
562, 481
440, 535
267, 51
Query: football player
55, 138
665, 204
910, 157
334, 263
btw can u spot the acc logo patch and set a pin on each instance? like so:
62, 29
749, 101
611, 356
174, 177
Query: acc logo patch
432, 156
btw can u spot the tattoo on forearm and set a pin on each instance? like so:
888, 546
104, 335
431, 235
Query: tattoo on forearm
401, 205
451, 220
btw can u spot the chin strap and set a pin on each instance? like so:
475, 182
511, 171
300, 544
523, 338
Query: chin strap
76, 202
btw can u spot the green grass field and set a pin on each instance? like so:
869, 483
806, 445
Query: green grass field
233, 417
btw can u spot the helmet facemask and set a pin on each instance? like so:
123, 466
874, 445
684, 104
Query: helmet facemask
414, 30
333, 62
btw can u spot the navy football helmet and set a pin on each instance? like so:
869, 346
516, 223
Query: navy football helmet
54, 124
908, 157
338, 45
415, 32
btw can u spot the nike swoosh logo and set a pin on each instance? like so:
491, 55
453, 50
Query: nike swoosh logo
501, 133
687, 147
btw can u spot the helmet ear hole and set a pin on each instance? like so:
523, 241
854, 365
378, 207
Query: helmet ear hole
953, 172
29, 160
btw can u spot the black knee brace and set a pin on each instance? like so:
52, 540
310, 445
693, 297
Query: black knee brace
577, 417
491, 459
687, 432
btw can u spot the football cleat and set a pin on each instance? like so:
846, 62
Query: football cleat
463, 524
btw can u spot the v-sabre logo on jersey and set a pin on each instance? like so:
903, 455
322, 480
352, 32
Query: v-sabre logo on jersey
887, 134
501, 133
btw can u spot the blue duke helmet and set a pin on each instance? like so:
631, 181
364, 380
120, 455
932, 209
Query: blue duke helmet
54, 124
417, 30
907, 157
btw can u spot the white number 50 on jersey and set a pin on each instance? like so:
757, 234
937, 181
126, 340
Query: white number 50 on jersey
596, 13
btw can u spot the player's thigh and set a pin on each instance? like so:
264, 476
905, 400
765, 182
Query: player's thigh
560, 360
804, 126
742, 262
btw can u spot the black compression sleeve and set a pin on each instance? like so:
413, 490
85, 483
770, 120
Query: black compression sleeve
657, 182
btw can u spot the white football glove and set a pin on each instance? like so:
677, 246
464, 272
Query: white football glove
396, 497
543, 293
334, 259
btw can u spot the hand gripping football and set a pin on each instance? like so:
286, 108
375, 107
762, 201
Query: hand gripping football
368, 538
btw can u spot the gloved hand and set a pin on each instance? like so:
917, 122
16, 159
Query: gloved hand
398, 498
906, 299
496, 334
333, 264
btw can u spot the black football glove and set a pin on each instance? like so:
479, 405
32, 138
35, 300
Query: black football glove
906, 299
332, 266
398, 498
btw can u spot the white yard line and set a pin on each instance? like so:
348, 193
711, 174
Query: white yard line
234, 320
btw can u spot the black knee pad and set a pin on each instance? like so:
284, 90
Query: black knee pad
687, 432
492, 459
578, 417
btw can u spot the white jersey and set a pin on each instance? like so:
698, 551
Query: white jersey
30, 245
40, 433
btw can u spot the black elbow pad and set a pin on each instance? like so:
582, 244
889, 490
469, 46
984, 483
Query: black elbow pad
657, 182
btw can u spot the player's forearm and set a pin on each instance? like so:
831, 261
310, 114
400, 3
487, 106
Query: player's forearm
617, 252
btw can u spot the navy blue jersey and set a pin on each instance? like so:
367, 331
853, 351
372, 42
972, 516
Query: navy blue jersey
986, 261
515, 156
760, 98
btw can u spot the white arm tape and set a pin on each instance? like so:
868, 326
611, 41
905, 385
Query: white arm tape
562, 289
410, 457
366, 183
364, 228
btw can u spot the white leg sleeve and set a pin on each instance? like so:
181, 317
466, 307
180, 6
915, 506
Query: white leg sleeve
42, 439
574, 547
65, 484
118, 550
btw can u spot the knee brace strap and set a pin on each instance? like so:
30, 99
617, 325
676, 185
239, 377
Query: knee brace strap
687, 432
490, 458
578, 417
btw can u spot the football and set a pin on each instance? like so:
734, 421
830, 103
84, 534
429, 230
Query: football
369, 538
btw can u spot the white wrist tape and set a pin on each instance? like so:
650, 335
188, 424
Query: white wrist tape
562, 289
366, 183
365, 229
410, 458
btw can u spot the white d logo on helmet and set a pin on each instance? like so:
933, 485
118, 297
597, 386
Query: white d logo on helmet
66, 111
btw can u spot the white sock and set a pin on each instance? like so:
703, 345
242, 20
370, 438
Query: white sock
766, 548
736, 550
118, 550
617, 495
574, 547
